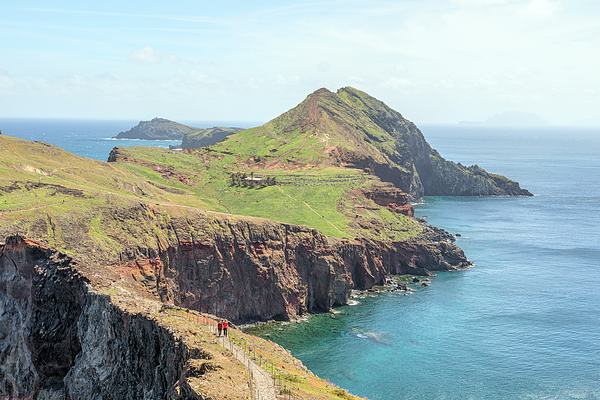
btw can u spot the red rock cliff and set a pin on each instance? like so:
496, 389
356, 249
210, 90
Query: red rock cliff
241, 268
254, 269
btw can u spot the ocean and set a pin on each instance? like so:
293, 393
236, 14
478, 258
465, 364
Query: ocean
523, 323
93, 138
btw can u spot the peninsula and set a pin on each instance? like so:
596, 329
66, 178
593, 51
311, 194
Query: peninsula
103, 262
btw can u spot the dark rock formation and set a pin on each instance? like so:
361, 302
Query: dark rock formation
60, 339
157, 129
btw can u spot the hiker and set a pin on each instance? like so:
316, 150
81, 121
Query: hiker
220, 327
225, 328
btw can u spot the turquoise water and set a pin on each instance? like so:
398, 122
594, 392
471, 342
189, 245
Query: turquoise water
524, 323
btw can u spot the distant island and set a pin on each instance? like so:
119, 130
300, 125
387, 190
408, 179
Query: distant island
157, 129
164, 129
516, 118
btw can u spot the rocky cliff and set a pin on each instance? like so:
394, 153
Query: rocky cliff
351, 129
62, 339
240, 268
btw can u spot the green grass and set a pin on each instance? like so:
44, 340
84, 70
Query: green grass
315, 198
307, 193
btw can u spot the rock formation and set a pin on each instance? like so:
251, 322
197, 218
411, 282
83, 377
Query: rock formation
157, 129
61, 339
245, 268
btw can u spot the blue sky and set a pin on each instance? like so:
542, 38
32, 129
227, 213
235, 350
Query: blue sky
436, 61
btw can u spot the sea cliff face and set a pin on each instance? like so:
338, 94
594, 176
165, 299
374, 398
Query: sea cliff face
255, 269
61, 339
242, 268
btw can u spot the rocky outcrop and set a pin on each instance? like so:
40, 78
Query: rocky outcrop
157, 129
391, 198
207, 137
61, 339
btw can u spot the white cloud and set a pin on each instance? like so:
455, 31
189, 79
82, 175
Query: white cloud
287, 80
149, 55
543, 8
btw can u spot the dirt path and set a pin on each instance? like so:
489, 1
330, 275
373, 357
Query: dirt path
263, 388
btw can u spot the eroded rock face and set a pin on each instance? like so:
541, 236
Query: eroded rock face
59, 338
243, 268
254, 269
40, 302
391, 198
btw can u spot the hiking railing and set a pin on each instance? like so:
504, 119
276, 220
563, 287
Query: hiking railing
258, 392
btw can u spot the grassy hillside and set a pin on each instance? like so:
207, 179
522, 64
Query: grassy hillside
36, 174
207, 137
40, 180
325, 198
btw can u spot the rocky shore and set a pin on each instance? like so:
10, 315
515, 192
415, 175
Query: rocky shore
60, 336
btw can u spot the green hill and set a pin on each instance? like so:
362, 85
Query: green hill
157, 129
207, 137
352, 130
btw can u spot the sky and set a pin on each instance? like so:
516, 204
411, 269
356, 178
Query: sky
434, 61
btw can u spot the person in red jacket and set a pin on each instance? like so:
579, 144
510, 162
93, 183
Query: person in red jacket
220, 327
225, 323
